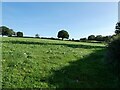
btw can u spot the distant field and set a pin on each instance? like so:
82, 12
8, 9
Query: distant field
40, 63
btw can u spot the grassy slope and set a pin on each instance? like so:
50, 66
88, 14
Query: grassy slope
46, 63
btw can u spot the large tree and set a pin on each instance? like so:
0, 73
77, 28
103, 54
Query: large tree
117, 31
19, 34
99, 38
91, 37
11, 32
5, 31
63, 34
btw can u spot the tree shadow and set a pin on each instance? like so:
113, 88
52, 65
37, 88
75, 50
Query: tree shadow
44, 43
88, 72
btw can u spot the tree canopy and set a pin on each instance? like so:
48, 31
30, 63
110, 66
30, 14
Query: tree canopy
37, 35
99, 38
117, 31
5, 31
91, 37
63, 34
19, 34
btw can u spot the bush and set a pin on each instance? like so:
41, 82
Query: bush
113, 54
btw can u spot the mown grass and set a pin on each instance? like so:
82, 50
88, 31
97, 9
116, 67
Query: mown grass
39, 63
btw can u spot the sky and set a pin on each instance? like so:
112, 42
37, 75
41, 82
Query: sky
119, 11
60, 0
80, 19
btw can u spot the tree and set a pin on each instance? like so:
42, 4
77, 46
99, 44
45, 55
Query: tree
63, 34
107, 38
37, 35
11, 32
5, 31
83, 39
19, 34
99, 38
72, 39
117, 31
91, 37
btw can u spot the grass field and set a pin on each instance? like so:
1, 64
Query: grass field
40, 63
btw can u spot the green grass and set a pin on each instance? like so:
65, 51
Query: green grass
39, 63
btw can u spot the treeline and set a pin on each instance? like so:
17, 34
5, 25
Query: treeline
101, 38
62, 34
5, 31
98, 38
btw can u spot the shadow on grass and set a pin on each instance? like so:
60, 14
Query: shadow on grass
40, 43
88, 72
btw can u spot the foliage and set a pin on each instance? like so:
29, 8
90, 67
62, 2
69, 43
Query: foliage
91, 37
113, 54
5, 31
37, 35
63, 34
19, 34
99, 38
113, 57
107, 38
117, 31
83, 39
72, 39
11, 32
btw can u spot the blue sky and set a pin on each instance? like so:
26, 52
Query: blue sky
79, 19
